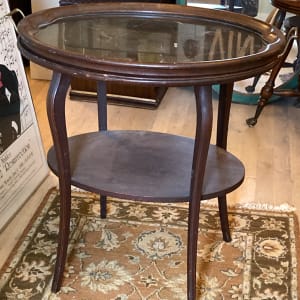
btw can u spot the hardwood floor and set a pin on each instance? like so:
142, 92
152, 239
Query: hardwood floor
269, 150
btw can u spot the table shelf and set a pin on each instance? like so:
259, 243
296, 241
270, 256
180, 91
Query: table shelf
148, 166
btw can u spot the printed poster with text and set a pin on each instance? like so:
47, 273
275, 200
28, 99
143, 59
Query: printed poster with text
22, 159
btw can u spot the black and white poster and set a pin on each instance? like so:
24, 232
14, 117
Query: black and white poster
22, 159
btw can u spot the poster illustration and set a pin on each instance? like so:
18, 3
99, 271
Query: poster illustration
22, 159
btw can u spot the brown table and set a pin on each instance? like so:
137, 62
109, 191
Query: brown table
153, 45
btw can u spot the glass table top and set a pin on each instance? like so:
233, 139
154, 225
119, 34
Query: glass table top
127, 40
154, 41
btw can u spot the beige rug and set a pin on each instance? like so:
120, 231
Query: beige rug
139, 252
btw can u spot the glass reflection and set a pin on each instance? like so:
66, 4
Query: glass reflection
150, 41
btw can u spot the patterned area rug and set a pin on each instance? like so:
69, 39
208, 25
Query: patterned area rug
139, 252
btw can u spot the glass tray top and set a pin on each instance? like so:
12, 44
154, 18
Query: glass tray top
154, 41
170, 44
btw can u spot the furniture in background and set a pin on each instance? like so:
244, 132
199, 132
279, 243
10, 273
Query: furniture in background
139, 165
276, 18
292, 25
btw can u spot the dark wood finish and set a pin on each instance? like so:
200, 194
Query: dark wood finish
95, 157
102, 125
225, 96
200, 154
134, 164
292, 25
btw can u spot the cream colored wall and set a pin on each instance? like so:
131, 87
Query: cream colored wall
264, 9
42, 4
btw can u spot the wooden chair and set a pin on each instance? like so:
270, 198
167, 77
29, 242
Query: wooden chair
292, 27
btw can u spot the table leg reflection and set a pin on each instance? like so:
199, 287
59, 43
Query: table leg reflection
203, 96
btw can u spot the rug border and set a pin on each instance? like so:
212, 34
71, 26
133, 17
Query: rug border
297, 245
27, 229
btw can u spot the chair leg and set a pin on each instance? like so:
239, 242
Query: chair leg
224, 219
103, 207
268, 90
251, 88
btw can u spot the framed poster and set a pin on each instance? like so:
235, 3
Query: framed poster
22, 159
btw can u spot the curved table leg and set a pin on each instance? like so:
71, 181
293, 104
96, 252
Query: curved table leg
225, 97
202, 140
56, 115
268, 89
222, 201
102, 125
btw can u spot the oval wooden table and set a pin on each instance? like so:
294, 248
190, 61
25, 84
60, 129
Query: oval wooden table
155, 45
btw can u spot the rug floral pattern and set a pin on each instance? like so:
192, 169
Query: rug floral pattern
139, 252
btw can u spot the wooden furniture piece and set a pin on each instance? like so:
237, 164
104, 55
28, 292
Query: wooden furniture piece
292, 25
156, 45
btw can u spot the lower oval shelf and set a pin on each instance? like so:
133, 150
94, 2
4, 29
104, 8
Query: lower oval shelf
148, 166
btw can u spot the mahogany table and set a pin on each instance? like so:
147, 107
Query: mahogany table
153, 45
